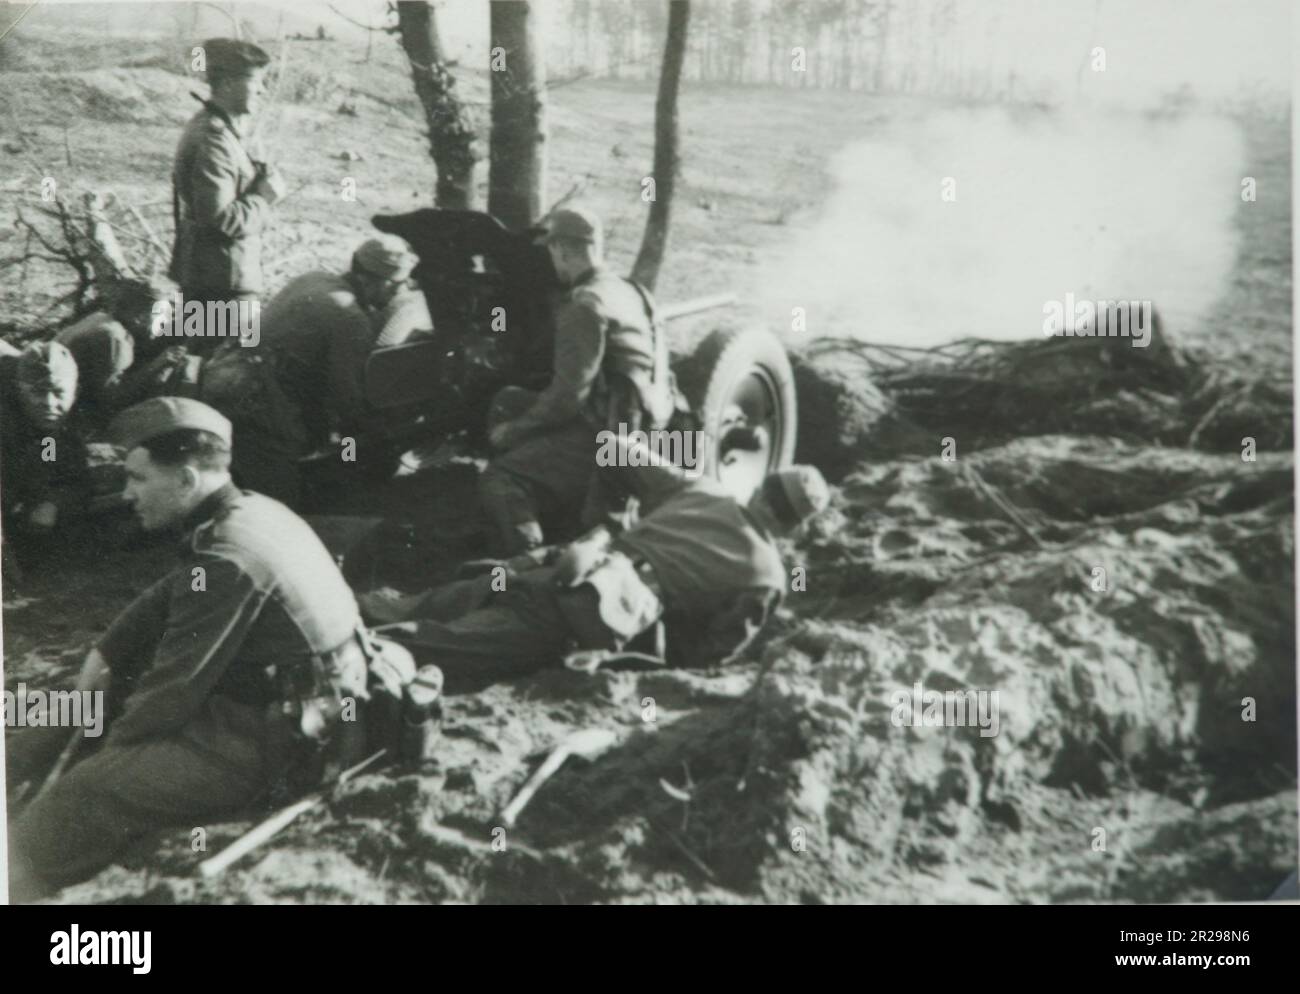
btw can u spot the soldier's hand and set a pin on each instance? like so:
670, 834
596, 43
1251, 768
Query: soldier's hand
270, 185
44, 515
580, 557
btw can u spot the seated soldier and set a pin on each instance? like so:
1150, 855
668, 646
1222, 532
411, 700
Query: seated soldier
705, 564
109, 345
610, 367
208, 674
42, 459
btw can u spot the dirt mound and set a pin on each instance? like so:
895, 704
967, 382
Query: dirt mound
795, 776
861, 402
141, 94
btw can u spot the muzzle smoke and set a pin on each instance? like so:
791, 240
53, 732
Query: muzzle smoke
1103, 206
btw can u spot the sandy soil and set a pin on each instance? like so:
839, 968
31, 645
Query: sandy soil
780, 778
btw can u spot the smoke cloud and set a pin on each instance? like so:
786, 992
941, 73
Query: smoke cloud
1103, 206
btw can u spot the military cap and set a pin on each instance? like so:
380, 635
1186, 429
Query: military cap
385, 256
576, 222
161, 415
229, 57
797, 493
47, 364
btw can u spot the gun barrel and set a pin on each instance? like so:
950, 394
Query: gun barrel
685, 308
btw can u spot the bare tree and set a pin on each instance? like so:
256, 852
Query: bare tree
451, 130
667, 159
517, 157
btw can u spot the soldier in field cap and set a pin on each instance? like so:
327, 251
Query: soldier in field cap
211, 674
222, 197
610, 369
706, 565
316, 335
43, 478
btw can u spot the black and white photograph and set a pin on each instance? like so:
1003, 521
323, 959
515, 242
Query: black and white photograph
689, 452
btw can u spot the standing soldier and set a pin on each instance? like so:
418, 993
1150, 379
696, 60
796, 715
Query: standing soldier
221, 196
610, 367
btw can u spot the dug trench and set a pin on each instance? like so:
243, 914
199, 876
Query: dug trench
1126, 601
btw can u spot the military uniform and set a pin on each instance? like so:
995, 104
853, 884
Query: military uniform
699, 560
321, 337
201, 673
38, 463
219, 217
104, 351
608, 368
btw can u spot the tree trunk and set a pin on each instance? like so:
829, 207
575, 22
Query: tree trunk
667, 159
517, 174
451, 130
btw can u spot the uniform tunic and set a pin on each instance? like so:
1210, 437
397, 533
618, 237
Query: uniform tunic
552, 468
28, 474
322, 337
719, 571
217, 255
104, 351
197, 663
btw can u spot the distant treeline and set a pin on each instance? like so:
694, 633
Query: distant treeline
917, 46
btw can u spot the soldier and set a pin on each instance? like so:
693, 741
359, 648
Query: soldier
221, 196
708, 566
610, 367
42, 461
109, 345
322, 326
206, 672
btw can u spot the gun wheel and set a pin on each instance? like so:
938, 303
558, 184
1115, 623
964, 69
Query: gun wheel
741, 388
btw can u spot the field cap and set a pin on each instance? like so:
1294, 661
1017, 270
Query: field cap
385, 256
229, 57
161, 415
47, 364
577, 223
797, 493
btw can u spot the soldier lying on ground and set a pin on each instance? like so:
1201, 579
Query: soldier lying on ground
212, 674
43, 479
709, 566
610, 367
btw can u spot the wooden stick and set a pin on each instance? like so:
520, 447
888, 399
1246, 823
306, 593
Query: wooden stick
253, 838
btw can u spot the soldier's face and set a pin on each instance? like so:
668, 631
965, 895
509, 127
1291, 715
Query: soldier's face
46, 405
562, 260
160, 495
376, 292
243, 94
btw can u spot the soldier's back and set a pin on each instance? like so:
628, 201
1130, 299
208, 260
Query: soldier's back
298, 320
613, 298
287, 561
